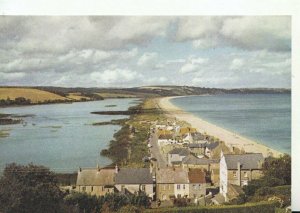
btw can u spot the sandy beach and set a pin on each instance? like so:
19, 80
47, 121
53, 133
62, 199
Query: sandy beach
231, 139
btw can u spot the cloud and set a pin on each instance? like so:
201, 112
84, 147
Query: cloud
127, 51
248, 32
12, 76
62, 34
114, 76
193, 65
147, 59
236, 64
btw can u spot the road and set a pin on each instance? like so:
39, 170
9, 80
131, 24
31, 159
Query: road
161, 161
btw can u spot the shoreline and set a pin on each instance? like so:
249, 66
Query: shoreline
231, 139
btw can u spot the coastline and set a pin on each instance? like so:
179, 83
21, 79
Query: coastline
230, 138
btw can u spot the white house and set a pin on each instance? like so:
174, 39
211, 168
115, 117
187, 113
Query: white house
237, 170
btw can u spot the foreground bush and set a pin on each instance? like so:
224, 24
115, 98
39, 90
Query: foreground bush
261, 207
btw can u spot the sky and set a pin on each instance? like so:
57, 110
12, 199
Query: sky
131, 51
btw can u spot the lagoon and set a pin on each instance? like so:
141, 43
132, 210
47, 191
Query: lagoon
60, 136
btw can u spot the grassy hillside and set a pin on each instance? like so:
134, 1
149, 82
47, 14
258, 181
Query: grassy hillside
35, 95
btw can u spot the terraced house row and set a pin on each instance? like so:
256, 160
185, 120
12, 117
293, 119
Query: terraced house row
173, 182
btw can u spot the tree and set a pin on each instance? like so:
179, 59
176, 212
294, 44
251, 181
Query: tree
278, 170
29, 188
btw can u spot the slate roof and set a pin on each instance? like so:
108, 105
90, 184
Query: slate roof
95, 177
197, 136
172, 175
180, 151
191, 159
197, 176
134, 176
197, 145
248, 161
212, 145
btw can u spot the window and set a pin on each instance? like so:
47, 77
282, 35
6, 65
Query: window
143, 187
122, 188
164, 187
102, 188
234, 174
245, 174
92, 188
83, 188
178, 186
183, 186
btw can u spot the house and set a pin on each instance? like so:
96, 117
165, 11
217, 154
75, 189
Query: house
197, 183
187, 138
171, 183
197, 148
95, 181
211, 166
165, 183
165, 139
134, 180
192, 161
198, 137
176, 155
210, 147
185, 130
238, 170
181, 183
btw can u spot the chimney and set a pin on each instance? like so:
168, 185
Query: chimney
79, 169
239, 173
116, 169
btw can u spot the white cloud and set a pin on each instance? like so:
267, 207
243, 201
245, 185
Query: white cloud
193, 65
114, 76
236, 64
147, 59
248, 32
12, 76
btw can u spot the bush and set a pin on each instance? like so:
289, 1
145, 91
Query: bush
263, 191
260, 207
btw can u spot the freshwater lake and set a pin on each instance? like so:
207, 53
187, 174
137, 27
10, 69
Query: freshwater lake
265, 118
60, 136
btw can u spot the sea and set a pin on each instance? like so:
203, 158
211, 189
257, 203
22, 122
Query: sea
60, 136
264, 118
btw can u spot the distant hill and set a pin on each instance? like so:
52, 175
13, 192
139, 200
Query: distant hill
63, 94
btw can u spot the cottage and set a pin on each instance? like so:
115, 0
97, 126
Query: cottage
165, 139
176, 155
198, 137
185, 130
197, 148
165, 183
238, 170
181, 183
209, 165
197, 183
210, 147
95, 181
134, 180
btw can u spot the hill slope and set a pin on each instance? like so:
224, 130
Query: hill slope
35, 95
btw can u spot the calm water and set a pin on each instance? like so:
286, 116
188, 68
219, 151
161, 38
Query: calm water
265, 118
60, 136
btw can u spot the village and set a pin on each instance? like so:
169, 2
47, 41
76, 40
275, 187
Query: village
183, 164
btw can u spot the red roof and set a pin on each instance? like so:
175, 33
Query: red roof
197, 176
